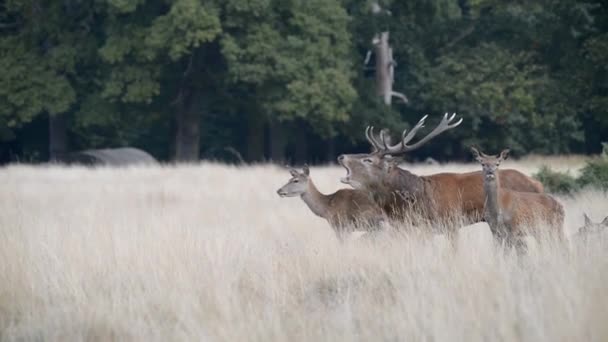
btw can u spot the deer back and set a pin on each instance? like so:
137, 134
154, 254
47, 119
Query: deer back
515, 180
527, 210
453, 193
352, 206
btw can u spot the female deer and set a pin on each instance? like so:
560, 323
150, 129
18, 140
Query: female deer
511, 213
591, 229
345, 209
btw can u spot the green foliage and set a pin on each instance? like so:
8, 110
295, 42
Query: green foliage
595, 174
530, 75
31, 84
556, 182
299, 65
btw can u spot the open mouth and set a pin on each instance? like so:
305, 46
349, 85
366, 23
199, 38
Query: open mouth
346, 179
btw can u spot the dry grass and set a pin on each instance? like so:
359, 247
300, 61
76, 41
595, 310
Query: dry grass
211, 253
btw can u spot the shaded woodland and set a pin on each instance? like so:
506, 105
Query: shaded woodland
298, 81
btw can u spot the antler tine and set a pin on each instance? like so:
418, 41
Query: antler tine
452, 118
406, 138
402, 147
383, 138
370, 139
443, 126
380, 146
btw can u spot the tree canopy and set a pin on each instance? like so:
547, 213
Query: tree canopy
286, 80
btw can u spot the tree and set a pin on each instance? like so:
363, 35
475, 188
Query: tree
293, 58
43, 48
148, 43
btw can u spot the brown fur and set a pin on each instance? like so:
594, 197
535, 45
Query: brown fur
442, 194
438, 198
512, 214
523, 212
345, 209
463, 192
349, 207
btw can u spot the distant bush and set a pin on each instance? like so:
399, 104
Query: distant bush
594, 174
557, 182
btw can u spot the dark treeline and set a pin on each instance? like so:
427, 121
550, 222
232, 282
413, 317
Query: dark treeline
287, 80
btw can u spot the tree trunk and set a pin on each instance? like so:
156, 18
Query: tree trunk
384, 68
278, 142
385, 64
301, 148
255, 138
330, 152
188, 131
58, 146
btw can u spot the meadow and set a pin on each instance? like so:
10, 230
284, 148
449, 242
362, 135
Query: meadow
209, 252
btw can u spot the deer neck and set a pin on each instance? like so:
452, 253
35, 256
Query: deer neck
397, 185
491, 189
316, 201
405, 181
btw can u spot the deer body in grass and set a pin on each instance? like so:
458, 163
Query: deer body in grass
512, 215
591, 230
436, 198
345, 210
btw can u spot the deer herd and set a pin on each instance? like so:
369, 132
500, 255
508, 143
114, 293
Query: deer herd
513, 204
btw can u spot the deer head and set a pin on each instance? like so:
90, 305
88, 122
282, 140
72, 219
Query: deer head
365, 170
592, 228
489, 164
297, 185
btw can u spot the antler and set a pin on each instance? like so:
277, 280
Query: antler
373, 140
369, 131
402, 147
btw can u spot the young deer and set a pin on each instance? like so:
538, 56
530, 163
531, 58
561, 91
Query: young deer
591, 229
345, 209
510, 213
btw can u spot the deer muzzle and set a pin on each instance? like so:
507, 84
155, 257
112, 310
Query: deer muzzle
346, 179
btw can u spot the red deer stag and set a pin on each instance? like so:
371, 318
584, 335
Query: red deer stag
437, 197
345, 209
510, 214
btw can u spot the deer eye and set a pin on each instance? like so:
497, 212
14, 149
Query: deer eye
368, 160
295, 180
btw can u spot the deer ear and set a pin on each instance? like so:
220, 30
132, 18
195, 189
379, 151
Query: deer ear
587, 220
395, 161
505, 154
306, 169
605, 221
294, 172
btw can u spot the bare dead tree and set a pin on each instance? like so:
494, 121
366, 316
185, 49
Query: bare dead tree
385, 64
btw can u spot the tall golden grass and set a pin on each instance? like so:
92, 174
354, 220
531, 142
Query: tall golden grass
211, 253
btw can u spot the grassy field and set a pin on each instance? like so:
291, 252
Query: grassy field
211, 253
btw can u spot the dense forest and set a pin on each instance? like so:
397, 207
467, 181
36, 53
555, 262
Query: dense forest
295, 80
